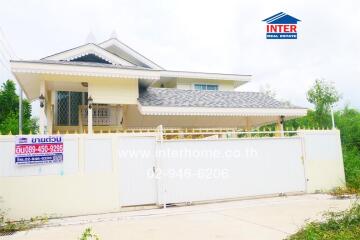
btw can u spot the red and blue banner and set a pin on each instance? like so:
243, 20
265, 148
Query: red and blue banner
39, 149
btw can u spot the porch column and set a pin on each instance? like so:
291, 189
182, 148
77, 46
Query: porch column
42, 117
279, 127
49, 111
247, 126
90, 115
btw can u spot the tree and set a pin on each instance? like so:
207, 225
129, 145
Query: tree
9, 111
323, 95
267, 90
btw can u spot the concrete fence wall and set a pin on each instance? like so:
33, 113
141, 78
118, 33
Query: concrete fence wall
96, 176
323, 160
76, 186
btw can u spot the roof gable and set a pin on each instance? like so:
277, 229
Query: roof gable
90, 58
281, 18
118, 48
89, 49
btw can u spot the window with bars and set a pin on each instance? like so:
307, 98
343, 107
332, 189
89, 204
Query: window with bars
212, 87
67, 109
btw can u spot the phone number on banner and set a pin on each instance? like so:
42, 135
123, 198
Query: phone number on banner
39, 148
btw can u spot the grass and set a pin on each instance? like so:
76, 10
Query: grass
8, 227
352, 167
343, 192
344, 225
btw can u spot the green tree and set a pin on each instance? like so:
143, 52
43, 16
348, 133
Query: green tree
9, 111
323, 95
348, 122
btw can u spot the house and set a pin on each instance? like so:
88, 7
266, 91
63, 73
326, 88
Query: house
110, 87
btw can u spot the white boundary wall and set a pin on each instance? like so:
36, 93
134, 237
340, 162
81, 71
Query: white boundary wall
323, 160
94, 179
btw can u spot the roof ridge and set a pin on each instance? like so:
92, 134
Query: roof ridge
94, 64
231, 91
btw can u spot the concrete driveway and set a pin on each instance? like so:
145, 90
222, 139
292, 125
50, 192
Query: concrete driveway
267, 218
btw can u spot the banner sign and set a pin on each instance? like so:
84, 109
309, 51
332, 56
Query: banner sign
38, 149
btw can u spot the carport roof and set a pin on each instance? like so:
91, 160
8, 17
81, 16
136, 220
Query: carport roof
172, 101
172, 97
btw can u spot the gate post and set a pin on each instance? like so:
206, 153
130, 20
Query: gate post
161, 190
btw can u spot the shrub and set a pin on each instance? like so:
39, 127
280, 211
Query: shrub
344, 225
88, 235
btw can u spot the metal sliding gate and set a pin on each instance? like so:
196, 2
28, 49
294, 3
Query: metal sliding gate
159, 172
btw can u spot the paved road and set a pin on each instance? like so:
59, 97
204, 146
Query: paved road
269, 218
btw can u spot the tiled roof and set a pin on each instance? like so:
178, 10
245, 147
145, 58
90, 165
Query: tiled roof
172, 97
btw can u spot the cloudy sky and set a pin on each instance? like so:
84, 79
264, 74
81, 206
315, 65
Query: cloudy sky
211, 36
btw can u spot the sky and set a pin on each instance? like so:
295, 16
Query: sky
208, 36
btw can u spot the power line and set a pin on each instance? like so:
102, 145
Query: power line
5, 60
4, 47
9, 51
7, 45
4, 65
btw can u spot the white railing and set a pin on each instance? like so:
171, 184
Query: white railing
218, 133
103, 115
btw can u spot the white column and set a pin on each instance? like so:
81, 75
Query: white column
247, 126
42, 117
279, 128
282, 129
90, 121
49, 111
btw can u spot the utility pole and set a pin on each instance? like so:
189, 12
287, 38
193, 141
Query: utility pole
20, 110
332, 117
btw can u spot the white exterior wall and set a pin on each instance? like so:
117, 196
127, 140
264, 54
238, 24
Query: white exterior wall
188, 84
323, 160
95, 178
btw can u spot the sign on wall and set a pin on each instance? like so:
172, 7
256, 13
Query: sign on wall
38, 149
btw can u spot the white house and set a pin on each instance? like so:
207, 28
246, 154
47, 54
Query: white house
128, 100
111, 87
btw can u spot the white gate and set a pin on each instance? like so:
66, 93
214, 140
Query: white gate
136, 163
199, 170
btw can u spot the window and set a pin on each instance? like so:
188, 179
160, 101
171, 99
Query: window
212, 87
67, 111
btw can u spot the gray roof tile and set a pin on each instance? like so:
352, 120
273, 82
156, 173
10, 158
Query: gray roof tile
172, 97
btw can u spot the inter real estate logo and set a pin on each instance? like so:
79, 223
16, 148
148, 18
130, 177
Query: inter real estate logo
281, 26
